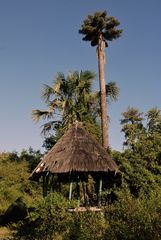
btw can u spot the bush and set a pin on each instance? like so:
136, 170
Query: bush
48, 220
14, 181
127, 218
88, 226
135, 218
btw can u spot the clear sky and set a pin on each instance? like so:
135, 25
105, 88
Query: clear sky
39, 38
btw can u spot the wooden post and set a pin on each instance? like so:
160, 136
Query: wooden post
100, 192
84, 193
78, 191
70, 191
45, 184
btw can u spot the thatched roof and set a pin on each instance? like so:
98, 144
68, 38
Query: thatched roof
76, 151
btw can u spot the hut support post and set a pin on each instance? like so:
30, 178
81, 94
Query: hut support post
70, 191
100, 192
45, 184
78, 191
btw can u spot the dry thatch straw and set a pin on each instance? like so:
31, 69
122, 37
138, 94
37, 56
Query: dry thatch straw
76, 151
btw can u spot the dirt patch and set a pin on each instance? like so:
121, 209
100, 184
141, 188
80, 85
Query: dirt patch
4, 233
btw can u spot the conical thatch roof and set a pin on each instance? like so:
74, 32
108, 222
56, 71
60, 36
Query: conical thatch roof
76, 151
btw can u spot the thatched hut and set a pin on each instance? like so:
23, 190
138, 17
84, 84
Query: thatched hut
73, 157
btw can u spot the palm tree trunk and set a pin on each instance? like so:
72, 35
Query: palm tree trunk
101, 63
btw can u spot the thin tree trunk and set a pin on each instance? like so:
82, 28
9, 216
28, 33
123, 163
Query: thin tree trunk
101, 63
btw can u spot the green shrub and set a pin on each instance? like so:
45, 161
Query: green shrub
135, 218
88, 226
14, 181
48, 220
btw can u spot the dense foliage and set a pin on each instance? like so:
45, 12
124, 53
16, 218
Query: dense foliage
14, 173
131, 210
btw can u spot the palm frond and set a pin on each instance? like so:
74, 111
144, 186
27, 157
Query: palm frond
47, 127
153, 113
47, 92
37, 115
55, 104
112, 91
59, 79
132, 115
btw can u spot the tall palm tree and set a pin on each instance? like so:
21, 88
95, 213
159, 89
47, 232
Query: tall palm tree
99, 29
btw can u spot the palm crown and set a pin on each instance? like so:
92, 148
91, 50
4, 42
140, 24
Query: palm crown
71, 99
100, 24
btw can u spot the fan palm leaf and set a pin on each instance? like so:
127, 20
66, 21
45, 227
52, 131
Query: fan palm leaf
47, 92
39, 114
112, 91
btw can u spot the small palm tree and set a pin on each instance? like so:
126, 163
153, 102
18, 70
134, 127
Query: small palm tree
71, 99
154, 120
99, 29
132, 126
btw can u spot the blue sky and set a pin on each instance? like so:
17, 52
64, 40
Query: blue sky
39, 38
